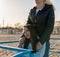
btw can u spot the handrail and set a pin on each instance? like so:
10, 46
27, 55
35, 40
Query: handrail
12, 48
28, 53
14, 41
20, 51
5, 42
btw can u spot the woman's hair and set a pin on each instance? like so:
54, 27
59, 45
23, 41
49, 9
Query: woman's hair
48, 2
27, 26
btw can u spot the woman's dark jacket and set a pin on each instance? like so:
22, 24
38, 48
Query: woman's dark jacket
43, 22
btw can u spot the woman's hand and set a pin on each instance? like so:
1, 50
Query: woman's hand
21, 42
38, 46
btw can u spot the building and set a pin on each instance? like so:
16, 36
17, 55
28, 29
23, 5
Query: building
56, 29
10, 30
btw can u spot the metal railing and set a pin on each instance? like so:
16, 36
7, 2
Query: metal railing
20, 52
6, 42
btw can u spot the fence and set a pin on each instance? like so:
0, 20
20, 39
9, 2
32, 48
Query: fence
20, 52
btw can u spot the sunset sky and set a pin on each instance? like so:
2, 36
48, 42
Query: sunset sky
14, 11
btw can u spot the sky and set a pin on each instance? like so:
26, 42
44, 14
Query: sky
14, 11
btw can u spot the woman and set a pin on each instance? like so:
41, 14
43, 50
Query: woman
30, 43
42, 18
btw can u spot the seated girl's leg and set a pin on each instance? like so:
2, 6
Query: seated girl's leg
41, 52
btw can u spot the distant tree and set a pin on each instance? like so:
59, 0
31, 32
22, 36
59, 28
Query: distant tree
17, 25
